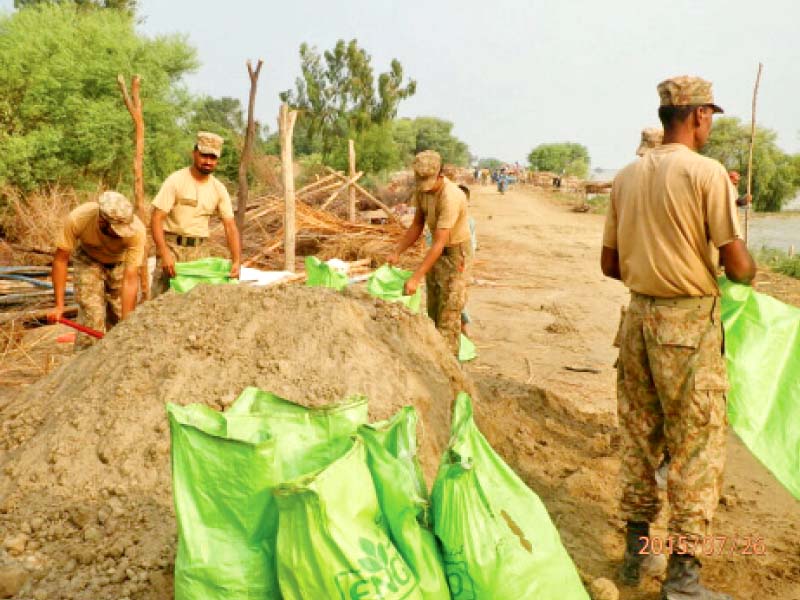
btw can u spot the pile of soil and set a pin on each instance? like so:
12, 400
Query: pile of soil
85, 491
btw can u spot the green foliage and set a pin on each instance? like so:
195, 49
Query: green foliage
127, 5
225, 117
776, 175
490, 163
571, 158
437, 134
338, 99
62, 118
779, 261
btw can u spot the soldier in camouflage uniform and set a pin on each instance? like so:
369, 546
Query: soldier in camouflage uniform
182, 209
106, 242
671, 220
441, 205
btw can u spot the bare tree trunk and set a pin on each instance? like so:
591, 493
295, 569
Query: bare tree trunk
351, 151
247, 151
286, 119
134, 104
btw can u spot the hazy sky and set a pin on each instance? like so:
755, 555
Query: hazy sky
512, 75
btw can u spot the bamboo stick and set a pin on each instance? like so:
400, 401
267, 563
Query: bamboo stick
348, 184
750, 158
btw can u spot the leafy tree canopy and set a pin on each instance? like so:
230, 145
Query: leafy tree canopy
128, 5
776, 175
490, 163
437, 134
62, 118
568, 157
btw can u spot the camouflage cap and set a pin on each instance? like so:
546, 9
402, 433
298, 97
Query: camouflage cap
118, 211
209, 143
652, 137
687, 91
427, 166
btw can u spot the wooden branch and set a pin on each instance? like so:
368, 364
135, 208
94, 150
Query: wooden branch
750, 159
247, 151
286, 121
323, 181
133, 103
367, 195
351, 154
347, 184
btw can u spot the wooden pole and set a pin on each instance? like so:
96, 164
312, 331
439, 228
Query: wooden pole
348, 184
133, 103
286, 120
351, 152
367, 195
247, 151
750, 159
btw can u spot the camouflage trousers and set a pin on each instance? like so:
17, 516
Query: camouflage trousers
98, 290
671, 384
446, 292
179, 254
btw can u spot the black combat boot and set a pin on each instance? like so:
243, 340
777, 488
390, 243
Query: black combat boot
632, 561
683, 581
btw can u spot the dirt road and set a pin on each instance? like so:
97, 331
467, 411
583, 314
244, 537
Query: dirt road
544, 321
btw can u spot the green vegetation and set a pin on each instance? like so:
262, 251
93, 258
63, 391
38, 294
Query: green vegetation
127, 5
567, 157
776, 175
61, 115
490, 163
779, 261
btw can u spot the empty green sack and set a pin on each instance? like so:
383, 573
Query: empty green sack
403, 498
225, 467
333, 542
387, 283
497, 539
319, 274
213, 270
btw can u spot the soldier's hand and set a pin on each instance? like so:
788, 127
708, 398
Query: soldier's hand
168, 265
55, 315
393, 258
410, 288
235, 268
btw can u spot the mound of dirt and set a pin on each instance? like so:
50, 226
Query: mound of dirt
85, 495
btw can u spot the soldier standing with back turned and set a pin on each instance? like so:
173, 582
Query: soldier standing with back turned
671, 220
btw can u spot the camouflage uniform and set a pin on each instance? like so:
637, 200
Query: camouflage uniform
446, 292
97, 291
671, 384
652, 137
179, 254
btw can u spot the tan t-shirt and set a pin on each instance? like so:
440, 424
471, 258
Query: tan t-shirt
189, 203
81, 227
445, 210
669, 213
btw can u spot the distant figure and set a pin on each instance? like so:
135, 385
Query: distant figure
652, 137
740, 200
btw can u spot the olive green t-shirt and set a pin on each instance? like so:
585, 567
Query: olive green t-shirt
669, 213
446, 209
81, 227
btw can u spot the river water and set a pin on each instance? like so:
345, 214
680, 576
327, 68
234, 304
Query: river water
777, 231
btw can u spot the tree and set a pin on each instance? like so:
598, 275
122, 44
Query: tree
61, 115
128, 5
776, 176
490, 163
225, 117
567, 157
437, 134
337, 97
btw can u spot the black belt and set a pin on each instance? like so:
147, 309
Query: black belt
186, 241
456, 250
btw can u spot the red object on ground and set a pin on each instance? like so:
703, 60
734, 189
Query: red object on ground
88, 331
66, 338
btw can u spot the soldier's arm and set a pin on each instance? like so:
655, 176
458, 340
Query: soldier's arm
130, 287
739, 265
609, 263
157, 224
440, 239
59, 276
232, 237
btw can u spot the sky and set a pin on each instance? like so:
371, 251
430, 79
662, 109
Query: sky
512, 75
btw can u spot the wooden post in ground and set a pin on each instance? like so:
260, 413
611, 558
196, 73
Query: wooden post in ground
351, 152
750, 158
134, 105
247, 151
286, 119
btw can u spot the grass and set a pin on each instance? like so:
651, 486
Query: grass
779, 261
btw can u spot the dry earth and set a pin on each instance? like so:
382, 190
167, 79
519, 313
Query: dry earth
541, 305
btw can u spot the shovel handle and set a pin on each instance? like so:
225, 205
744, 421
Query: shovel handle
83, 329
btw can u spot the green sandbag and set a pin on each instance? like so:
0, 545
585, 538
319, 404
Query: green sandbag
318, 274
403, 498
387, 283
762, 345
332, 539
211, 270
497, 538
224, 469
466, 349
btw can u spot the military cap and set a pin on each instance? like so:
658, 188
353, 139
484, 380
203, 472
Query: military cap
118, 211
652, 137
427, 166
687, 91
209, 143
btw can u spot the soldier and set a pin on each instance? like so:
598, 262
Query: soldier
671, 218
106, 241
183, 206
442, 206
651, 138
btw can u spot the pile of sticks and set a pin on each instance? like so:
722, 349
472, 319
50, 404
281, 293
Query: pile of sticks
26, 294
